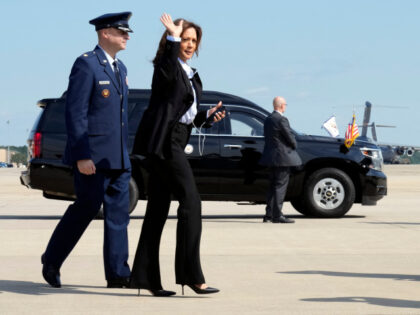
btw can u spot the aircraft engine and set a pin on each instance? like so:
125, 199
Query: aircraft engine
410, 151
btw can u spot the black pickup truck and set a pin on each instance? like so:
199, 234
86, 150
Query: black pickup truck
224, 159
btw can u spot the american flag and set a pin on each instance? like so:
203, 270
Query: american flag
352, 133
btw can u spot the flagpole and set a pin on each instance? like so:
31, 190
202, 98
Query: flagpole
8, 137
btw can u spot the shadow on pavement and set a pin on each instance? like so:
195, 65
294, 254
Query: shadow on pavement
369, 300
172, 217
356, 275
396, 223
30, 217
298, 217
34, 288
133, 217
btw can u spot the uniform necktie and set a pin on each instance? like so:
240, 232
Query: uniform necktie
117, 73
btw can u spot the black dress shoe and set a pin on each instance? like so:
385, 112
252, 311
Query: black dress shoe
197, 290
51, 274
119, 283
283, 219
266, 219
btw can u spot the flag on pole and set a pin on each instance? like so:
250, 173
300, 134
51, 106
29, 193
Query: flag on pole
331, 126
352, 133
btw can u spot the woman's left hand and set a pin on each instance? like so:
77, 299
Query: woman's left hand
218, 116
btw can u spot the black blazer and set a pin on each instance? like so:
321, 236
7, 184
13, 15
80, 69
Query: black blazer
280, 143
172, 96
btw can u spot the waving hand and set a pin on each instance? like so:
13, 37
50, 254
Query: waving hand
174, 30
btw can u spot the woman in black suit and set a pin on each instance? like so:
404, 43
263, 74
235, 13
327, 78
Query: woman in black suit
162, 136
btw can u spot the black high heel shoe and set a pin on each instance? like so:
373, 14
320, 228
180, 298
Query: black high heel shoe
207, 290
160, 292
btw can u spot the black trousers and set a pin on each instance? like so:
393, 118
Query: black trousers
279, 179
170, 176
107, 187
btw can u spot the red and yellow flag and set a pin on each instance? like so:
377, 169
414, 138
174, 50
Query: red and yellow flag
352, 133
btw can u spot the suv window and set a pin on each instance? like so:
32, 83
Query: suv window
38, 118
213, 130
53, 120
136, 109
245, 124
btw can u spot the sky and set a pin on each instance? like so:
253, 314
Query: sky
325, 57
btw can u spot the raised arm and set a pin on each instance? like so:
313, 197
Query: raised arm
166, 65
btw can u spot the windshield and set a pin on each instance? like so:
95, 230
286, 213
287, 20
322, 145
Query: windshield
298, 132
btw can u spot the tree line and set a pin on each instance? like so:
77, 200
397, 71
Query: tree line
21, 155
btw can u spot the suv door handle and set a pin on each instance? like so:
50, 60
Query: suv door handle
233, 146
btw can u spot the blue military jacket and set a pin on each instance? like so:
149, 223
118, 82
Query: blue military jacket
96, 113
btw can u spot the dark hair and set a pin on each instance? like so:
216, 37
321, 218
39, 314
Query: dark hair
186, 25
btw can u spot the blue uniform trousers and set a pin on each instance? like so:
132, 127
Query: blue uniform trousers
107, 187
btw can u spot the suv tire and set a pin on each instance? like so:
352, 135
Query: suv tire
133, 196
329, 193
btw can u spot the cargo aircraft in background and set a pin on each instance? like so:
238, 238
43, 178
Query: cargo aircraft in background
392, 153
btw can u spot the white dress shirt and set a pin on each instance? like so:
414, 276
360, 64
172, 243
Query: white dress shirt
109, 58
189, 116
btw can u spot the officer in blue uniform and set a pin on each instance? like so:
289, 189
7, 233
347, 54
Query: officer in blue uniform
96, 121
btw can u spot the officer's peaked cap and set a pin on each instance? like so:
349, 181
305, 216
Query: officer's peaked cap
115, 20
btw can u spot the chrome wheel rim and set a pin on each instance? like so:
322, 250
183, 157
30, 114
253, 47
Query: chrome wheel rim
328, 193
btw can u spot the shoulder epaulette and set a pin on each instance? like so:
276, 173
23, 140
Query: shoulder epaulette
89, 54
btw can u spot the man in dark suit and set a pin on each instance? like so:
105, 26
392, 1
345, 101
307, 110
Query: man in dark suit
96, 121
279, 155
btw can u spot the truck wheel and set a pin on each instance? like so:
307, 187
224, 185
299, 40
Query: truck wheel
300, 207
133, 196
329, 193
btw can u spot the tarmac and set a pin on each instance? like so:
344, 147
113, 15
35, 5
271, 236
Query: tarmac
367, 262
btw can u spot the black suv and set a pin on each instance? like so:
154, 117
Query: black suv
224, 159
